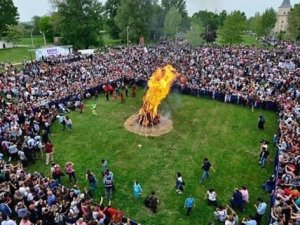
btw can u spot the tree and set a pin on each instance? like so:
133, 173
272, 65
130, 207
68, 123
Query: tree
293, 23
35, 23
111, 8
8, 15
234, 27
81, 22
172, 22
180, 5
156, 22
194, 36
262, 25
45, 26
133, 19
14, 33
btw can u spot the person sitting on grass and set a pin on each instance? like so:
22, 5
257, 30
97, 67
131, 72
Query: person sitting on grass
211, 197
152, 202
221, 213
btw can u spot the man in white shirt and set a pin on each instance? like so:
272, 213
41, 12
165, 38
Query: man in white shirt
260, 210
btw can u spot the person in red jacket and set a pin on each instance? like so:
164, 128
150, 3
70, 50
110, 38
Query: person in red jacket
49, 150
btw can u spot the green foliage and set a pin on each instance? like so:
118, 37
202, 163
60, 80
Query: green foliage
14, 33
180, 5
234, 27
135, 15
8, 15
194, 36
209, 20
262, 25
81, 22
111, 8
35, 23
293, 23
226, 134
45, 26
172, 22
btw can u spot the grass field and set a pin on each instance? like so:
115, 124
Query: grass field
37, 41
226, 134
15, 55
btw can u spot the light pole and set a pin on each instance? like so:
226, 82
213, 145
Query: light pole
44, 37
31, 37
127, 35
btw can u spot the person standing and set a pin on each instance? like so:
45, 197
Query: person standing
206, 166
108, 185
107, 95
260, 210
62, 121
261, 122
189, 204
137, 190
91, 179
263, 156
49, 150
69, 123
122, 98
80, 106
179, 183
70, 171
103, 166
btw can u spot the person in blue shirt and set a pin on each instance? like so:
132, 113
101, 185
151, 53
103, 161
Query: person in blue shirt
249, 221
260, 210
189, 204
137, 190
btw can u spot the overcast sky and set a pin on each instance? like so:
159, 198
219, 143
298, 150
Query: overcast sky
30, 8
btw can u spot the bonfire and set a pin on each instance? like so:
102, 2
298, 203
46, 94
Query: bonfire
159, 86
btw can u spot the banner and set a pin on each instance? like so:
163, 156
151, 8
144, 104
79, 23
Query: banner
53, 51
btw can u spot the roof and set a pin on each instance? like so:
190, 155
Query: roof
286, 4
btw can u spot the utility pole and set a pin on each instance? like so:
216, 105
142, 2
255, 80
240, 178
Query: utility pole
127, 35
31, 37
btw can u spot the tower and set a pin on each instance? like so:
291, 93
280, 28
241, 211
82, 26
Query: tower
282, 16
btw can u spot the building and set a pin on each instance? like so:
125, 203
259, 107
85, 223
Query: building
5, 44
282, 17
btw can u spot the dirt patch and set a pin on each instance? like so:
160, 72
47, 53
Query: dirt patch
164, 126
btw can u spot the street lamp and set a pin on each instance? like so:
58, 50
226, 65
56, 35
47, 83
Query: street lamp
127, 35
43, 33
31, 37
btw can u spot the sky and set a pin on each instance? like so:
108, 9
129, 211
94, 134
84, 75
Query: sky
29, 8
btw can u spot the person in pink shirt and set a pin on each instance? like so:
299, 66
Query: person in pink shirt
245, 194
70, 171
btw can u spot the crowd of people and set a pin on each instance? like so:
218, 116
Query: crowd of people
32, 98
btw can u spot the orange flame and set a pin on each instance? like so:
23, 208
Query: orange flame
159, 86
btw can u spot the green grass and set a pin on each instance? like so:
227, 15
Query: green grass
226, 134
37, 41
108, 41
15, 55
250, 40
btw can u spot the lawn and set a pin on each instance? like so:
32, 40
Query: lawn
37, 41
15, 55
226, 134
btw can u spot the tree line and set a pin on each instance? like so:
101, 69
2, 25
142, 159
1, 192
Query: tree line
82, 23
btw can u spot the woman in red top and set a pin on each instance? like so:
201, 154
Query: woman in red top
49, 150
